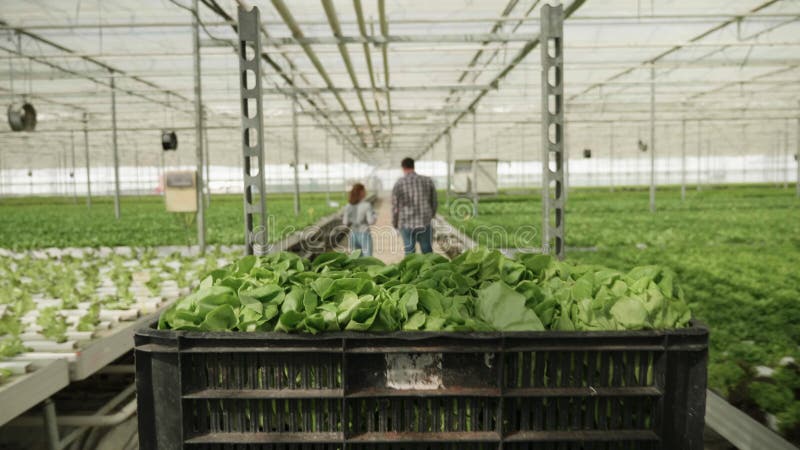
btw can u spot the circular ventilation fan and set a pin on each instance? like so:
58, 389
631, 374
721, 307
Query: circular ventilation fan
22, 117
169, 140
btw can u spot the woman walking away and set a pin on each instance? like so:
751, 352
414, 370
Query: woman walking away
359, 215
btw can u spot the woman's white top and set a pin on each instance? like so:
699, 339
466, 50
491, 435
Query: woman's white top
359, 216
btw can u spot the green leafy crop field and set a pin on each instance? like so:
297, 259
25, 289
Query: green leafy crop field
736, 251
57, 222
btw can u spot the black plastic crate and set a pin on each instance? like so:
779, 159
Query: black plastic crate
436, 391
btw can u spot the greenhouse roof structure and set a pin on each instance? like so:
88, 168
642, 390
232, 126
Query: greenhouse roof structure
387, 79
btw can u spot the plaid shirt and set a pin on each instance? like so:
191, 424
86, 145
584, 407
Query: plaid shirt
414, 201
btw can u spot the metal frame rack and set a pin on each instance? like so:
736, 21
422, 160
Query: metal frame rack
255, 203
553, 130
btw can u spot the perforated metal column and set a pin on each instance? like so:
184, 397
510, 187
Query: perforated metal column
255, 204
553, 203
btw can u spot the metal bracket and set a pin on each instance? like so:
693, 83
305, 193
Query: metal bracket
255, 204
551, 43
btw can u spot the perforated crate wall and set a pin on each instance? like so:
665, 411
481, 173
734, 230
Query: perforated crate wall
547, 390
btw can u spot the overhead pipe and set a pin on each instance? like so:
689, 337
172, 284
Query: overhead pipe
362, 29
288, 19
589, 20
385, 52
333, 21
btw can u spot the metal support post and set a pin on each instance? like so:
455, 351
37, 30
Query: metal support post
744, 153
207, 158
296, 144
255, 204
551, 32
797, 158
87, 161
51, 425
474, 185
161, 179
136, 167
699, 153
117, 212
344, 171
785, 159
611, 156
521, 174
199, 125
683, 160
652, 138
449, 163
565, 150
327, 170
72, 172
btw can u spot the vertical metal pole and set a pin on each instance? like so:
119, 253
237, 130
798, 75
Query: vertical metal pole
709, 168
699, 153
136, 166
652, 138
161, 180
51, 425
87, 161
785, 160
797, 158
474, 186
521, 158
744, 153
207, 158
611, 156
296, 143
683, 160
449, 162
567, 172
553, 146
344, 171
72, 173
199, 125
117, 212
327, 170
255, 205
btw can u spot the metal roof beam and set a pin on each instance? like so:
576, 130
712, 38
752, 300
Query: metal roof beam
362, 29
643, 19
22, 31
290, 22
336, 29
385, 53
647, 63
287, 78
568, 11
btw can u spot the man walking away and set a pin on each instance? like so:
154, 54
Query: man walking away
414, 204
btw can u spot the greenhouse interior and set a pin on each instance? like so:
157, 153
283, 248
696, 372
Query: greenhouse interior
389, 224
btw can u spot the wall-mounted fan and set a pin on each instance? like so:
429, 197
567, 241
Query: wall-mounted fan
642, 146
22, 117
169, 140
